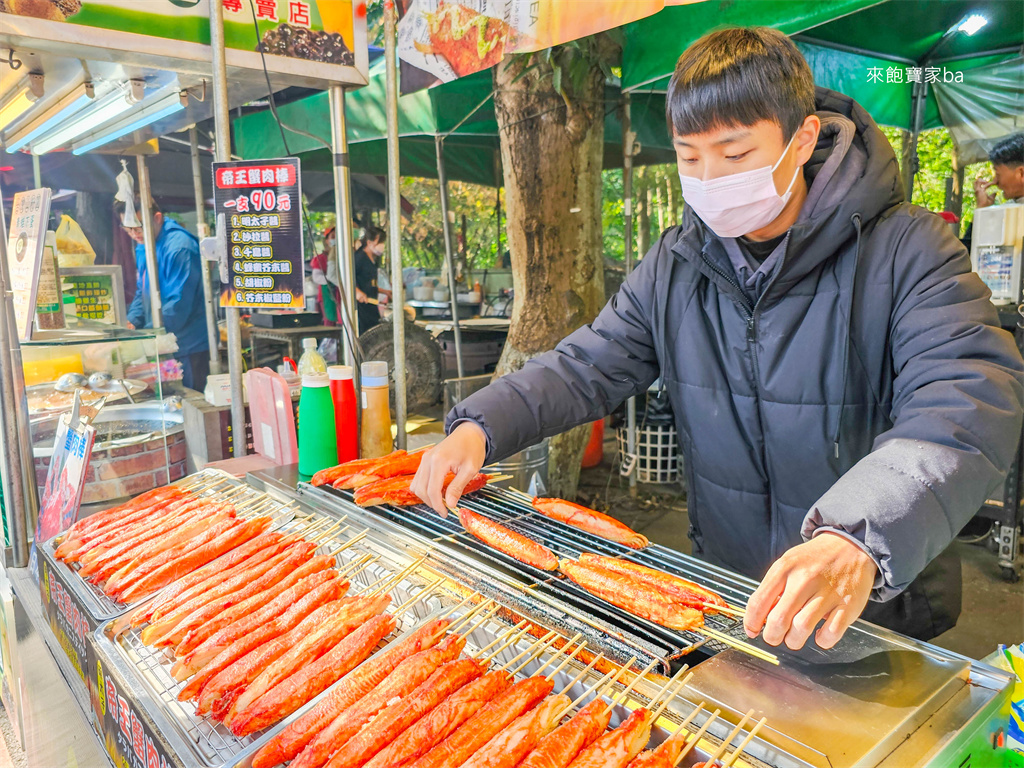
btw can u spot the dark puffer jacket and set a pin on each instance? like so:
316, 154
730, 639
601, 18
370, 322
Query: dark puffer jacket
868, 390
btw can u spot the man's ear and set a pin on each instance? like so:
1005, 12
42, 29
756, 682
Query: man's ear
158, 219
807, 138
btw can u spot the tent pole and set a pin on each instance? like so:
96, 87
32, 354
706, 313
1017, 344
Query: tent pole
449, 258
223, 154
395, 217
627, 223
17, 471
149, 240
209, 295
37, 173
343, 215
919, 98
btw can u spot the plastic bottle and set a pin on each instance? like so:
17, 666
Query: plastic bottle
318, 446
346, 415
375, 425
311, 360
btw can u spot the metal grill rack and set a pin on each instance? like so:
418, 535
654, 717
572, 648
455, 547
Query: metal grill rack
212, 484
509, 509
417, 594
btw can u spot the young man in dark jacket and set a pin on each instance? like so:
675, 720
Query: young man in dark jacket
843, 395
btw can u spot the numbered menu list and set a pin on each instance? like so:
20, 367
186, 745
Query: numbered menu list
262, 207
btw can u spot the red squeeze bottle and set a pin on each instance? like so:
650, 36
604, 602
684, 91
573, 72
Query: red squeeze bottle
346, 417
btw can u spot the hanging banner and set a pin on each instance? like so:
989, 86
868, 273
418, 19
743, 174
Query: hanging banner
29, 215
446, 40
261, 201
329, 33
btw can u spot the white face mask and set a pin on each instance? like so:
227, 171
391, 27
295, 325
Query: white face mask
739, 203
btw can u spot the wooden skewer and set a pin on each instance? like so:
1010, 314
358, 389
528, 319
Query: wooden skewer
352, 541
678, 688
545, 643
329, 531
468, 615
696, 738
664, 689
608, 688
419, 596
625, 692
572, 704
323, 536
730, 610
528, 650
752, 650
743, 744
364, 561
689, 718
505, 642
395, 580
583, 672
725, 742
484, 618
518, 630
523, 494
568, 659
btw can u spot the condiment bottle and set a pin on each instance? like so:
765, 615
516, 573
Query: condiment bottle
318, 446
311, 360
375, 425
346, 415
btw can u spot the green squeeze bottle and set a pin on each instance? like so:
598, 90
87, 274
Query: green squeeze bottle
318, 446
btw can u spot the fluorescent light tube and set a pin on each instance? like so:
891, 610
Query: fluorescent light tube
972, 24
111, 107
151, 112
75, 100
16, 106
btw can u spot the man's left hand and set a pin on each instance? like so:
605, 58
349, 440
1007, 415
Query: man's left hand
828, 577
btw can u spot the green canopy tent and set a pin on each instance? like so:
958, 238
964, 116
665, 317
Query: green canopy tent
913, 65
461, 112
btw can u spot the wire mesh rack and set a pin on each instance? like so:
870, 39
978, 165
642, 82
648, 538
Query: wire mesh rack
509, 508
416, 594
212, 485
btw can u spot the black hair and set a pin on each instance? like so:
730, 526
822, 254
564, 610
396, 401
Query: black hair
119, 207
1009, 151
376, 234
739, 76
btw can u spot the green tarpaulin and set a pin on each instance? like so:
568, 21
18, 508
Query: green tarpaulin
471, 149
869, 51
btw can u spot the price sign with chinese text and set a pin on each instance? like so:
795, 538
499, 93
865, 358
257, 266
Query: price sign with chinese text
262, 207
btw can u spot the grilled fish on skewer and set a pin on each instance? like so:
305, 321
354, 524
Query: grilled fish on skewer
513, 544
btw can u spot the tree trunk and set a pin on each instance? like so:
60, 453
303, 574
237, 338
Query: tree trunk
673, 211
643, 219
551, 155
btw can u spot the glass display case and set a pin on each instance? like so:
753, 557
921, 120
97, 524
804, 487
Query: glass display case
122, 377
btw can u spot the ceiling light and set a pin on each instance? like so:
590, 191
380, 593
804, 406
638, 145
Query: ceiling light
108, 108
74, 100
27, 92
972, 24
153, 110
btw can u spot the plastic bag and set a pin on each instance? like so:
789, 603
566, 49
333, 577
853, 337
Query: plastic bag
73, 249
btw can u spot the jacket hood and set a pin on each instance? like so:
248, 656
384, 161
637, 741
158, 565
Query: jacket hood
852, 171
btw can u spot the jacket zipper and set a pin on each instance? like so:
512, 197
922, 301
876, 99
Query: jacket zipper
751, 316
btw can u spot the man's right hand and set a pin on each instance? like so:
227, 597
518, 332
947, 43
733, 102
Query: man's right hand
984, 198
462, 452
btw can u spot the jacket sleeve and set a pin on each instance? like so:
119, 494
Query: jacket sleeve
957, 404
583, 379
179, 285
137, 312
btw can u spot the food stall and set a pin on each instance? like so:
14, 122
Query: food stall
111, 77
877, 699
